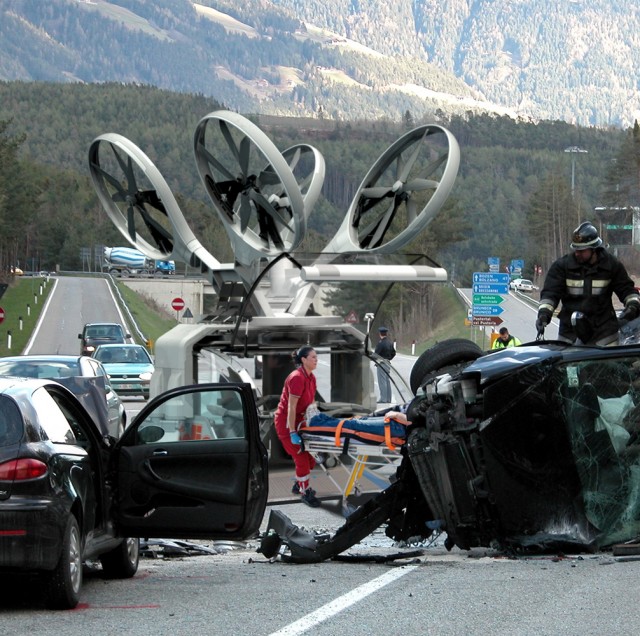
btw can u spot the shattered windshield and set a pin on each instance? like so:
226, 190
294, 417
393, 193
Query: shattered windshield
601, 401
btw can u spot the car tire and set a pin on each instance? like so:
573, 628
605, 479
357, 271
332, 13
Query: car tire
63, 583
446, 356
122, 562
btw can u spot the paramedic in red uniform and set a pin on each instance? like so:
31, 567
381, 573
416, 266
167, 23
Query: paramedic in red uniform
298, 393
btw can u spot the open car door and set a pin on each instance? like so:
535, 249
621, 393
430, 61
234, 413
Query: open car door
192, 465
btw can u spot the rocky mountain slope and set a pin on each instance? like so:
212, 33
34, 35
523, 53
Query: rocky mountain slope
575, 60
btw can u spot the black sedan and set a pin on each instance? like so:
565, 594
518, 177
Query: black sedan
69, 493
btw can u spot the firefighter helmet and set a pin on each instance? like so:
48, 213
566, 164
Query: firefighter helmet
585, 237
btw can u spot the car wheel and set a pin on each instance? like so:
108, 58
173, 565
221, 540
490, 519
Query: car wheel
446, 356
62, 585
122, 562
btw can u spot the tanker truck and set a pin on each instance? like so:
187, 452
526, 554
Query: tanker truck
127, 261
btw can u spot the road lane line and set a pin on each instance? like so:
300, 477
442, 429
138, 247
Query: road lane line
350, 598
40, 320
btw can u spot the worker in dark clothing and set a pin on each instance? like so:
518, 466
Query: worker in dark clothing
584, 281
387, 351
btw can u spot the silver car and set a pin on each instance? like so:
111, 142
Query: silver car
59, 367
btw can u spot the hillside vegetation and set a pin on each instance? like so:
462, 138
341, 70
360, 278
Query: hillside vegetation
577, 61
512, 198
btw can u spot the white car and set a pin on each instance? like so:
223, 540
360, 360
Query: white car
521, 284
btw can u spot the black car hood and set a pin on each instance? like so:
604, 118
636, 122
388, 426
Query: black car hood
494, 365
91, 392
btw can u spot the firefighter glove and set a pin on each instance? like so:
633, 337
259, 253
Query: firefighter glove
543, 320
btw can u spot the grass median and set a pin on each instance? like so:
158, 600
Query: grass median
22, 303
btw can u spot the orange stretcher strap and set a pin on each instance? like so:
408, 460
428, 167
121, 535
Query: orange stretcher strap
339, 430
387, 436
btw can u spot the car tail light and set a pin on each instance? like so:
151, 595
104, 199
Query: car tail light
22, 469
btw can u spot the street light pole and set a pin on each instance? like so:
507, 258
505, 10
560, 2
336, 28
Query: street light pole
573, 150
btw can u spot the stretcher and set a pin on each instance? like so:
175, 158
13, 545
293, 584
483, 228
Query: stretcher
356, 446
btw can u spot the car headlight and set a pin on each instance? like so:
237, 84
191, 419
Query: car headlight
145, 377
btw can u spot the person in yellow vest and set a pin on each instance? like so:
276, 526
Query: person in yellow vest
505, 340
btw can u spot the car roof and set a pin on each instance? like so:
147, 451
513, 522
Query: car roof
115, 345
110, 324
89, 392
37, 357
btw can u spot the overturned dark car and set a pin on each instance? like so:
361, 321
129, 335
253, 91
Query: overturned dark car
528, 449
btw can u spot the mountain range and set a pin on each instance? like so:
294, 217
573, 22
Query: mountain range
571, 60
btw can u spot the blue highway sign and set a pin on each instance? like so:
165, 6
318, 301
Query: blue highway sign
486, 310
491, 278
486, 288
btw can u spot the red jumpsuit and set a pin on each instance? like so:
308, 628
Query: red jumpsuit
303, 385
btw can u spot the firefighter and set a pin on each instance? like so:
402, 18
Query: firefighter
584, 281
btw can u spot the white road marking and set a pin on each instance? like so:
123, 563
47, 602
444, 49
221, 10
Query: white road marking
350, 598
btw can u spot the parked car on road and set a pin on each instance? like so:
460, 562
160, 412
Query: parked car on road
59, 367
521, 284
97, 333
68, 493
129, 366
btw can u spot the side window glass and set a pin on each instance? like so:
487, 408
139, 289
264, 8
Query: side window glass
193, 417
52, 419
98, 370
11, 425
602, 407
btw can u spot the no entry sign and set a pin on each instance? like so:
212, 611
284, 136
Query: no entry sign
177, 304
1, 314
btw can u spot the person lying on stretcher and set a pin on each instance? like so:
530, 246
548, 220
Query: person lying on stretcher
391, 424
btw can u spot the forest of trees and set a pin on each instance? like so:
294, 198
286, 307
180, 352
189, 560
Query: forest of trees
512, 198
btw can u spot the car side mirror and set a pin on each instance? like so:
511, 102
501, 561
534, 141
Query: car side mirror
150, 434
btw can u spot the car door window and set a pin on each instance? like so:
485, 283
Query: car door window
52, 420
11, 426
198, 416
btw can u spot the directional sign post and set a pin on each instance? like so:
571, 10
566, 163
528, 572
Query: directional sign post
487, 299
488, 288
486, 321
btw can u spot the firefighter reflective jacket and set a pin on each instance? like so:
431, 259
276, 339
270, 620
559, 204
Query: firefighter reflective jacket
588, 288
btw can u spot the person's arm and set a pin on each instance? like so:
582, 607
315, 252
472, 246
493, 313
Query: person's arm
401, 418
291, 413
624, 288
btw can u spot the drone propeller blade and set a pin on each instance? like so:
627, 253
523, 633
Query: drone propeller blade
263, 205
131, 224
111, 179
434, 165
293, 162
245, 149
151, 197
417, 185
245, 211
215, 163
405, 168
376, 192
268, 178
375, 231
224, 128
